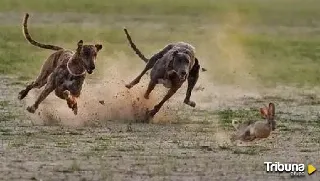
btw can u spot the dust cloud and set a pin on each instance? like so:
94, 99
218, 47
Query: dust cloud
229, 66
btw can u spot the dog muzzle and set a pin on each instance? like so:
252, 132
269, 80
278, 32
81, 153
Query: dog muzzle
90, 71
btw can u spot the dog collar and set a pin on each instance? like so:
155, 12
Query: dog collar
69, 70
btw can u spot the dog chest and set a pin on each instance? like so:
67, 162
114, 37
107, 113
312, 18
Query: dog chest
69, 83
165, 82
74, 84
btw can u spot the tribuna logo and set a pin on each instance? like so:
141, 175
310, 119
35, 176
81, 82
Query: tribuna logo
293, 168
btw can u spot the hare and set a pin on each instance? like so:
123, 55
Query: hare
260, 129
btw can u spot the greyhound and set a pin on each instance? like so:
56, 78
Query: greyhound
172, 66
64, 71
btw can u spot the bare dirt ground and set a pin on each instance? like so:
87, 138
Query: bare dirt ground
105, 142
189, 144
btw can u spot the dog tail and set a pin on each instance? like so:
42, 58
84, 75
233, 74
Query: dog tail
33, 42
134, 47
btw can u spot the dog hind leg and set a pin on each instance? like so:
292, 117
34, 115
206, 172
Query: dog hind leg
47, 90
151, 86
23, 93
192, 80
149, 65
38, 83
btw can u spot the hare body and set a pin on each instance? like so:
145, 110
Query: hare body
260, 129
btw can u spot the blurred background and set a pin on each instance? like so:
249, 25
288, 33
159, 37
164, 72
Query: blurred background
243, 42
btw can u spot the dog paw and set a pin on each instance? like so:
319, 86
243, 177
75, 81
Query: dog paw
70, 103
190, 103
75, 110
146, 96
148, 116
31, 109
129, 86
152, 113
74, 107
22, 94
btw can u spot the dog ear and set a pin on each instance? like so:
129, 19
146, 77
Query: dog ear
80, 44
98, 47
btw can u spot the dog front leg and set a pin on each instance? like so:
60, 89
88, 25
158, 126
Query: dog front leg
47, 90
155, 110
71, 101
192, 80
151, 86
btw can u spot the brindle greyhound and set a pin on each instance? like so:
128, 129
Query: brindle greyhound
64, 71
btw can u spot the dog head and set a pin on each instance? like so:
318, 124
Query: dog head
87, 55
181, 64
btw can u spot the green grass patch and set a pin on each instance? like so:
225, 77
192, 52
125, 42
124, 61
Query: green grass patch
246, 151
283, 60
226, 116
4, 103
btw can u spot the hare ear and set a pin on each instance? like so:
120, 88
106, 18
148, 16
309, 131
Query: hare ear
264, 112
271, 110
